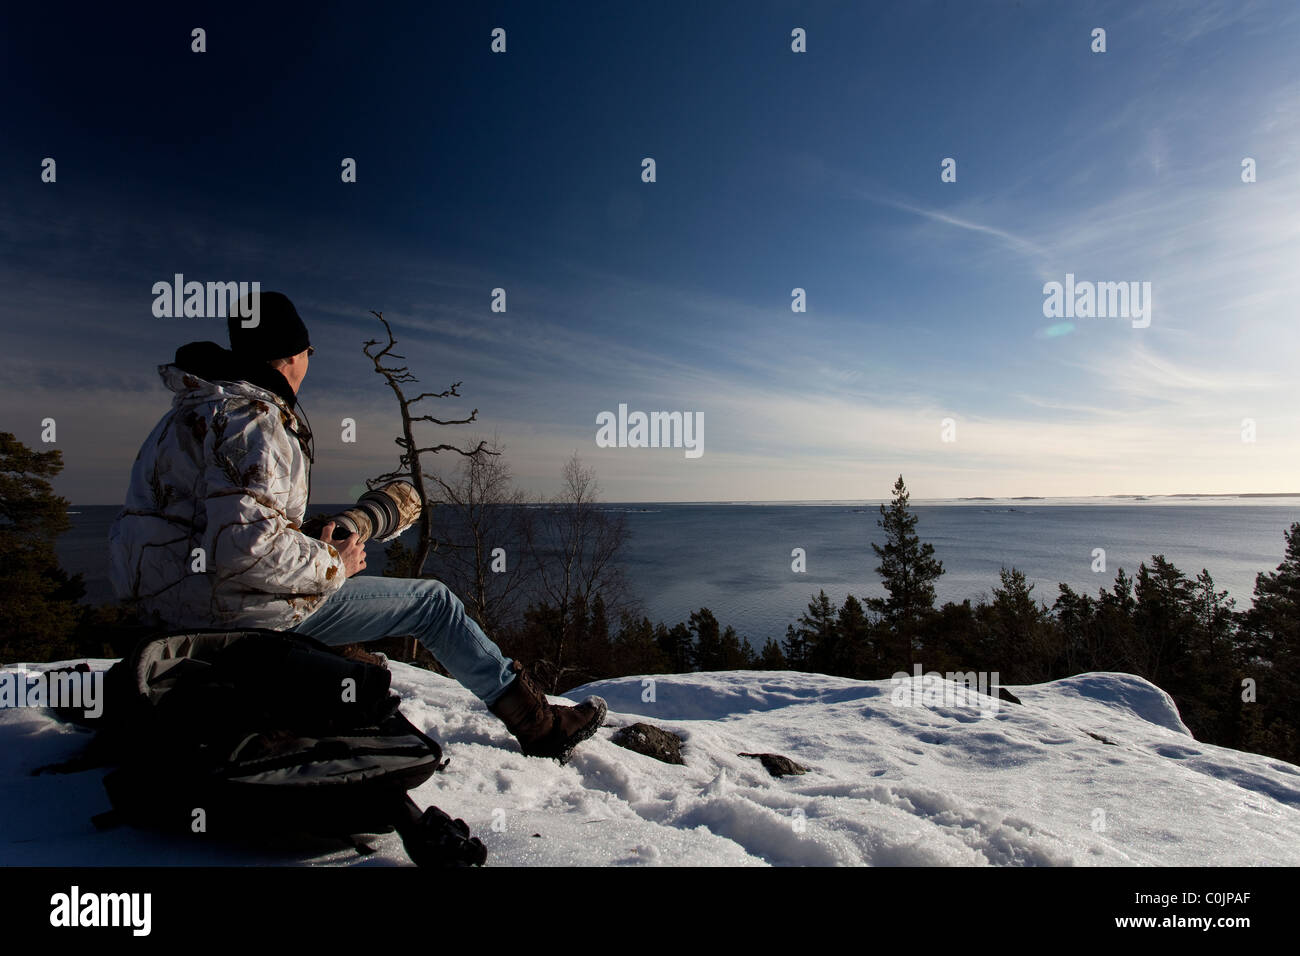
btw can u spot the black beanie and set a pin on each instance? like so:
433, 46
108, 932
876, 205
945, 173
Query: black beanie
279, 332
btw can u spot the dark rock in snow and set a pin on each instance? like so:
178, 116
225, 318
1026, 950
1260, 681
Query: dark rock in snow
1102, 739
777, 765
1004, 694
651, 741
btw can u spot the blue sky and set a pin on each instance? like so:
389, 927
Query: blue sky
775, 170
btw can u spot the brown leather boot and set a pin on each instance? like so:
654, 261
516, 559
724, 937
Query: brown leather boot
542, 728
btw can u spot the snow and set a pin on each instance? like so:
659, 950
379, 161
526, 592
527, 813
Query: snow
888, 784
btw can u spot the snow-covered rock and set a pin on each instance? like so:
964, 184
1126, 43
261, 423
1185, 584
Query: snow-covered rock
887, 783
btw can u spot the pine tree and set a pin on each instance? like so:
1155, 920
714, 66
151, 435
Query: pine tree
1075, 615
1116, 635
771, 658
1209, 676
908, 570
1163, 620
635, 650
708, 640
38, 600
1273, 622
1022, 641
1272, 632
855, 655
676, 646
817, 626
734, 654
956, 638
795, 649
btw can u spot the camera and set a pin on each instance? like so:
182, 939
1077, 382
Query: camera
382, 514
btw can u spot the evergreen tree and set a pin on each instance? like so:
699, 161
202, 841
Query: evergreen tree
708, 640
588, 653
38, 600
734, 654
595, 647
635, 650
908, 570
817, 627
1212, 610
771, 658
795, 649
955, 638
1272, 632
676, 646
1162, 620
855, 654
598, 625
1021, 644
1209, 675
1273, 622
1075, 616
1116, 637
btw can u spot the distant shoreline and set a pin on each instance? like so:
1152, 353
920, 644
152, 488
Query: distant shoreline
932, 502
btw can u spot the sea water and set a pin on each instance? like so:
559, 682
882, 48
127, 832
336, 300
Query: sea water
736, 559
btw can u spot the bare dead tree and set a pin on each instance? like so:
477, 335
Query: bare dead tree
575, 543
409, 464
482, 523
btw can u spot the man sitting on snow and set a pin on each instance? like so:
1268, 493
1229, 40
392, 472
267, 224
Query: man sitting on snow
209, 535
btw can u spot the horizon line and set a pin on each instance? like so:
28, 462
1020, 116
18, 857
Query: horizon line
872, 501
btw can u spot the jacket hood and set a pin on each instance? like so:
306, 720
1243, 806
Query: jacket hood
204, 371
212, 363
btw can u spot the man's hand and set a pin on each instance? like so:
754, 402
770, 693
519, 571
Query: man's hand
352, 551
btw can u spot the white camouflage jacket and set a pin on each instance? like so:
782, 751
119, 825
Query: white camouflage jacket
220, 473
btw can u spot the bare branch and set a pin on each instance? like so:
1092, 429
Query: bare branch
445, 393
459, 451
448, 421
409, 465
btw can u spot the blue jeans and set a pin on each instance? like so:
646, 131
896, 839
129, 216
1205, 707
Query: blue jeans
370, 606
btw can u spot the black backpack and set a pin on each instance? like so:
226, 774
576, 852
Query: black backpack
257, 733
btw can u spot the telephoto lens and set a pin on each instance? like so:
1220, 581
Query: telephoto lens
381, 514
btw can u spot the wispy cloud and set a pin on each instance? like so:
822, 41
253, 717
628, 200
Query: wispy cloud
1019, 244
